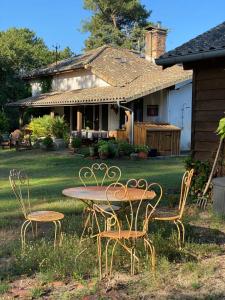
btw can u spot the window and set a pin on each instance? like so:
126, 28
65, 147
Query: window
152, 110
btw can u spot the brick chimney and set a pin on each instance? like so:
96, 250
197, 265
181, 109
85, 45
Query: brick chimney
155, 42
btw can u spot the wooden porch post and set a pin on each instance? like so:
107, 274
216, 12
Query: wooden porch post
128, 124
100, 116
79, 120
71, 119
52, 114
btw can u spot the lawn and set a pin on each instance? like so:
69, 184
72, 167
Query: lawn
64, 273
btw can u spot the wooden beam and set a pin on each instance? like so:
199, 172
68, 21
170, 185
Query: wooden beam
79, 120
128, 124
71, 119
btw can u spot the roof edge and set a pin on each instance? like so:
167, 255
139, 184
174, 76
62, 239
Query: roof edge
169, 61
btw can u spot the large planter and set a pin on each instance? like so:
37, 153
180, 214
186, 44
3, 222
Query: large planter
59, 143
218, 195
103, 155
142, 155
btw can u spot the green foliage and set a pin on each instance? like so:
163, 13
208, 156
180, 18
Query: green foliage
41, 126
141, 148
120, 23
125, 147
76, 142
46, 84
59, 127
221, 128
4, 287
201, 174
4, 122
21, 51
48, 142
108, 148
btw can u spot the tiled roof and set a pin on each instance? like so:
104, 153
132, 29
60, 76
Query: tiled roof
212, 41
135, 85
72, 63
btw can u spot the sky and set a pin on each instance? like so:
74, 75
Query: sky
59, 21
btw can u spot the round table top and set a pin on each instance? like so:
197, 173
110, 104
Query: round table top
98, 193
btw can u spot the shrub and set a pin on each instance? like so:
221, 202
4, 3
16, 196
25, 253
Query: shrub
59, 127
17, 135
108, 148
41, 126
48, 142
125, 147
4, 123
141, 148
76, 142
201, 174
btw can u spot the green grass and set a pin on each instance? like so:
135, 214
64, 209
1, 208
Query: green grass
50, 173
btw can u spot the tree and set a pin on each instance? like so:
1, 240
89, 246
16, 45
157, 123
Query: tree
20, 51
119, 22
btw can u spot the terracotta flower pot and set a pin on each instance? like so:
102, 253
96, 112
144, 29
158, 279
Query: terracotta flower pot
142, 155
103, 155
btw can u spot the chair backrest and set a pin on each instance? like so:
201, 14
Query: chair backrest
185, 187
19, 182
137, 213
100, 174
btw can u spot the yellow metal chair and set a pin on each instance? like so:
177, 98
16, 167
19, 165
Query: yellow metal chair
176, 215
100, 174
134, 224
19, 182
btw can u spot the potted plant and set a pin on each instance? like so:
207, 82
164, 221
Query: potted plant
124, 148
142, 151
103, 150
59, 131
48, 143
76, 144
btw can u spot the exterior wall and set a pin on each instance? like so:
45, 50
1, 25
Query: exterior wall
79, 79
179, 112
174, 108
35, 87
208, 108
158, 98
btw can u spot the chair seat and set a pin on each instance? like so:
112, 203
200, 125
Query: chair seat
166, 214
45, 216
123, 234
109, 208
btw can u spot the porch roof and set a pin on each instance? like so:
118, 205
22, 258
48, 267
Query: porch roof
143, 85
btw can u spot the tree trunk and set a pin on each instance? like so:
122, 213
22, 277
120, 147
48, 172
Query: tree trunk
114, 21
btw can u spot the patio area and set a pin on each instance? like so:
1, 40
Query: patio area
71, 270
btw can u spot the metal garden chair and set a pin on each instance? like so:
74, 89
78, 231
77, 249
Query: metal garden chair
133, 226
19, 182
176, 215
98, 175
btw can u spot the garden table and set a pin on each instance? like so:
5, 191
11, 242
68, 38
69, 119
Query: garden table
98, 194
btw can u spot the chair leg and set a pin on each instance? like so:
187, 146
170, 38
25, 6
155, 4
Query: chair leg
152, 253
182, 230
112, 255
24, 234
60, 233
179, 235
106, 257
87, 220
99, 246
56, 229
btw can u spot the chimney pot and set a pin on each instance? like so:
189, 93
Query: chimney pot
155, 42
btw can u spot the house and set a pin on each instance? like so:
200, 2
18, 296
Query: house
94, 89
205, 55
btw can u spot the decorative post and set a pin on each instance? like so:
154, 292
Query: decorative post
71, 119
79, 120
